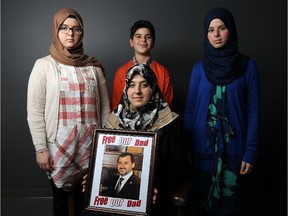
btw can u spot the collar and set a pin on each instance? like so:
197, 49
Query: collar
126, 177
149, 61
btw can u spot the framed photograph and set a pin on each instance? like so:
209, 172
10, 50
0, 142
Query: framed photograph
121, 170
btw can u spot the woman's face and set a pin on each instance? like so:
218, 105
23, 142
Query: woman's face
70, 33
139, 92
218, 33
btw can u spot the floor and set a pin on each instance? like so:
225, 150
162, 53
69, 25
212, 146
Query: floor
263, 201
263, 205
26, 206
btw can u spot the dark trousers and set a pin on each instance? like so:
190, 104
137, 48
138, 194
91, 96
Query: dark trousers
60, 200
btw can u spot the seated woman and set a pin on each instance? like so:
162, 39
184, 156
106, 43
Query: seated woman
142, 108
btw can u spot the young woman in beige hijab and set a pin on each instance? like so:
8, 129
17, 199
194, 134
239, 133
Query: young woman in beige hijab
67, 99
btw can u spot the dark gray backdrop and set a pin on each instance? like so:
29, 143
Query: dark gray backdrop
26, 36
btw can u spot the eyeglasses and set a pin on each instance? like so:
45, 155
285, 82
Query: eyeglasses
65, 29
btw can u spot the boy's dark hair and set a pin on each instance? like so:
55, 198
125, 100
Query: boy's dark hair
142, 24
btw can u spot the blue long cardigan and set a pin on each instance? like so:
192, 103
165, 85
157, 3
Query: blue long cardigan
243, 105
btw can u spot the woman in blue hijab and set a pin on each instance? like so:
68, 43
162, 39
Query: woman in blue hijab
222, 117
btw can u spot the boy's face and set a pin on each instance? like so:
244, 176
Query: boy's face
142, 42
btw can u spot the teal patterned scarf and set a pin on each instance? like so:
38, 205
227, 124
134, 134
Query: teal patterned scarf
219, 131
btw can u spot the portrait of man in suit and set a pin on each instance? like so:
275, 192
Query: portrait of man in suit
126, 184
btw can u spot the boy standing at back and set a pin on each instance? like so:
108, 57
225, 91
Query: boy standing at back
142, 39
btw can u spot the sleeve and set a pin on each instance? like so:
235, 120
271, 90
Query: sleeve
36, 100
253, 113
173, 151
104, 98
178, 149
191, 100
118, 86
168, 92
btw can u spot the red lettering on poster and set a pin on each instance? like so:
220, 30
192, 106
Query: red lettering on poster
108, 140
141, 143
100, 200
134, 203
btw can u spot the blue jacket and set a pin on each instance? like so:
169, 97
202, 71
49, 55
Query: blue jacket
243, 98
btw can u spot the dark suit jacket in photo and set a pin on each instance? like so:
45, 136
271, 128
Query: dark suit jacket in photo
130, 190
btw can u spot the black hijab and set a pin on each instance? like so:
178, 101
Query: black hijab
223, 65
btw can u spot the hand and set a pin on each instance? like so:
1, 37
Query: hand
155, 195
44, 161
84, 183
246, 168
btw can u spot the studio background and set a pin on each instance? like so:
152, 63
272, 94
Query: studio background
26, 36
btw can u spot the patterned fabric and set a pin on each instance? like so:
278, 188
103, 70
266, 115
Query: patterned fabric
163, 81
149, 61
218, 184
217, 176
77, 119
219, 132
153, 116
77, 96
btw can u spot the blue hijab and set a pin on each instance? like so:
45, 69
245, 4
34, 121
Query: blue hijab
223, 65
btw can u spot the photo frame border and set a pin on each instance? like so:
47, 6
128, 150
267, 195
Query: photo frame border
95, 164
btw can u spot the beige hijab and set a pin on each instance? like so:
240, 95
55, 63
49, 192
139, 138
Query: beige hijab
74, 57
